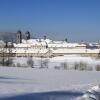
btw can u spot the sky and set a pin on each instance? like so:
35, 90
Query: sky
75, 20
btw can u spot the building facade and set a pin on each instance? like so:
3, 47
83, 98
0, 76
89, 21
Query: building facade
48, 48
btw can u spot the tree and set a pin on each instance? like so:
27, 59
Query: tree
97, 67
64, 65
2, 60
18, 65
80, 66
76, 66
83, 66
45, 63
30, 62
6, 52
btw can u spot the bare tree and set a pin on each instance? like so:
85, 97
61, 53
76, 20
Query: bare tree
2, 60
44, 63
97, 67
30, 62
5, 53
64, 65
57, 67
76, 66
80, 66
83, 66
18, 65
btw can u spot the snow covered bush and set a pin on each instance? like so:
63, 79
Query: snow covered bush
76, 66
64, 65
18, 65
6, 61
83, 66
44, 63
57, 67
97, 67
80, 66
89, 68
30, 62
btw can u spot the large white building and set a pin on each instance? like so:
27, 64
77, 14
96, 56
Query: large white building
49, 48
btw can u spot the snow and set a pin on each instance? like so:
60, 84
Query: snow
70, 60
26, 83
92, 94
31, 50
2, 43
75, 51
56, 47
96, 88
16, 81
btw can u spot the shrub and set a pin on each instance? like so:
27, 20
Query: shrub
97, 67
64, 65
89, 68
18, 65
6, 61
76, 66
30, 62
44, 63
80, 66
57, 67
83, 66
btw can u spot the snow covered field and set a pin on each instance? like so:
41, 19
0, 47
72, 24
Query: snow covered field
45, 84
18, 83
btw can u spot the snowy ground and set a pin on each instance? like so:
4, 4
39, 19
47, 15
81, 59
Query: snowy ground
52, 83
45, 84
